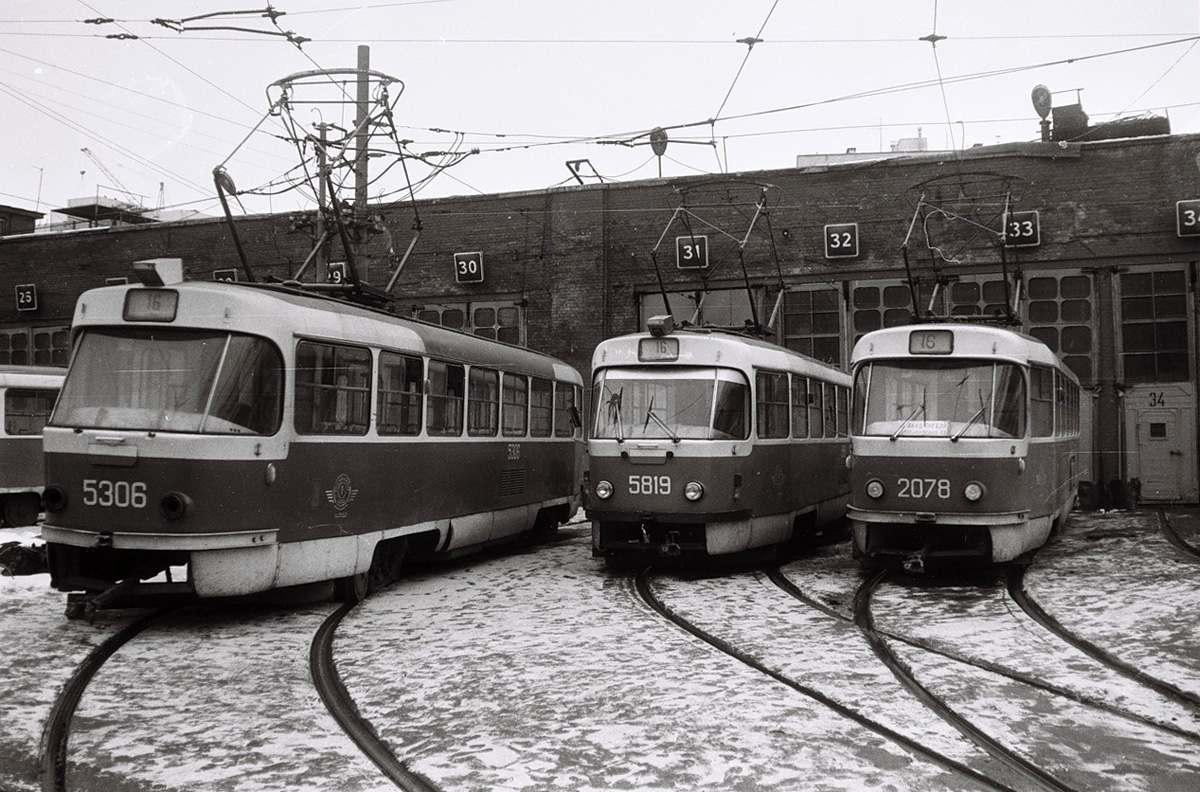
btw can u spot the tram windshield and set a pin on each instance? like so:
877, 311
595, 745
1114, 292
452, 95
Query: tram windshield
671, 403
170, 380
943, 398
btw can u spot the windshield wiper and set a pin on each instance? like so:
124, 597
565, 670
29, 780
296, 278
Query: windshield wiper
652, 416
614, 413
920, 408
970, 424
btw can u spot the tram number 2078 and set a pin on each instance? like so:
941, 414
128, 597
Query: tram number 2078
923, 488
649, 485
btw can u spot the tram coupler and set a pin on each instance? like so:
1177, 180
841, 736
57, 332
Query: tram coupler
670, 547
914, 563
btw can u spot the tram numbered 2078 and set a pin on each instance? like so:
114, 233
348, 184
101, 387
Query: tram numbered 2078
27, 395
707, 443
263, 437
965, 446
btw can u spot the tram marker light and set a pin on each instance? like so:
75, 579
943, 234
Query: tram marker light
974, 491
875, 489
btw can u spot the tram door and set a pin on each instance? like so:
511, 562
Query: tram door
1160, 428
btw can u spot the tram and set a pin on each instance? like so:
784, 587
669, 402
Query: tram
965, 445
707, 443
260, 437
27, 395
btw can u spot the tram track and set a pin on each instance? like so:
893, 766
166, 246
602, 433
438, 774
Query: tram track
781, 581
646, 592
56, 735
1015, 582
341, 706
1173, 536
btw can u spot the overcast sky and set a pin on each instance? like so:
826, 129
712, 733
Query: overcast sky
533, 84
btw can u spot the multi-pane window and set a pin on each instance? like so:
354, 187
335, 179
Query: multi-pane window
514, 419
499, 320
483, 402
771, 403
445, 399
716, 307
26, 410
541, 407
400, 380
1154, 326
333, 389
40, 346
812, 323
1059, 314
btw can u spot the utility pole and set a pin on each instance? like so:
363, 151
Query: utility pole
362, 133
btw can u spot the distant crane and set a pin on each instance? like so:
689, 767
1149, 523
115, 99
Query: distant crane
133, 199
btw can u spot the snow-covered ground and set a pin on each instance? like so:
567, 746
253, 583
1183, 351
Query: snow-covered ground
539, 669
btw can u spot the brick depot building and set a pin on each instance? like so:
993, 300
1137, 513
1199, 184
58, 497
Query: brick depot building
1102, 246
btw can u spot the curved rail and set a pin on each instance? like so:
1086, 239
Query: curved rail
341, 706
899, 669
58, 727
648, 596
1174, 538
779, 579
1016, 590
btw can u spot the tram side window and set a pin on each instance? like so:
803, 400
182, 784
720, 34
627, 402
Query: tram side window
483, 402
799, 406
771, 403
566, 414
446, 381
1067, 398
400, 381
26, 410
333, 389
843, 411
1041, 401
816, 408
541, 408
514, 418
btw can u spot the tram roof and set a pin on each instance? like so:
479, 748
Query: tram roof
708, 346
969, 341
277, 311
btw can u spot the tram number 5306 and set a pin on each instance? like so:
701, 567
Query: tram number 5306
649, 485
122, 494
923, 488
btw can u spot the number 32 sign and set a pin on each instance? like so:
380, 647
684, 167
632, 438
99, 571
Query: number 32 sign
841, 240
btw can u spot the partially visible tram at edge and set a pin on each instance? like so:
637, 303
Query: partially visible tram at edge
257, 437
27, 395
965, 446
708, 443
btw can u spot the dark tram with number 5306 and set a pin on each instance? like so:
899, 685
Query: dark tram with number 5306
218, 439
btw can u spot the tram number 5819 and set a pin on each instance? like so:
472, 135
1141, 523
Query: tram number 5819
649, 485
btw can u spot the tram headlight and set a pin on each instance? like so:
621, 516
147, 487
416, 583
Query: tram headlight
974, 491
604, 490
693, 491
174, 505
54, 499
875, 489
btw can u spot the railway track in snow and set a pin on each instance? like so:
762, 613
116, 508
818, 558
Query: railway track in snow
646, 591
57, 733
